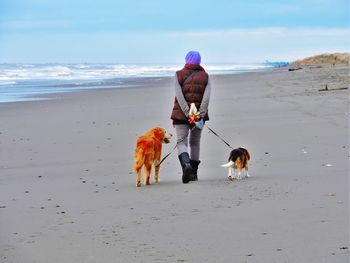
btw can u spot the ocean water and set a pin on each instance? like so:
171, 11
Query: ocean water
28, 82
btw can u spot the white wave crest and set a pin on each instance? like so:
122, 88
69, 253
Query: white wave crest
7, 82
14, 72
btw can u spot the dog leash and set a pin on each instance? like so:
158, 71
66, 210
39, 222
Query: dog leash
217, 135
166, 156
211, 130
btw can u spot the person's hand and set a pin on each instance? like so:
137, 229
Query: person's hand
200, 124
193, 118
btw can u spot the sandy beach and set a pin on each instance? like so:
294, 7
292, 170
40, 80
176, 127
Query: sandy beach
68, 194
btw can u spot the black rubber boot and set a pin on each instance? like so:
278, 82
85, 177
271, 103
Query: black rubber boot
194, 165
187, 174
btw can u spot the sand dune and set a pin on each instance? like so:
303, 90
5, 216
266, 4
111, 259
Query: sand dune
326, 58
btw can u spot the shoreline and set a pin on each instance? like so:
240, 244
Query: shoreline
101, 84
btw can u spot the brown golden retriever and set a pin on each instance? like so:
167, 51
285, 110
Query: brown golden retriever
148, 152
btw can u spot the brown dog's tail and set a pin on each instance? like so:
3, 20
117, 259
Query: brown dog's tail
139, 158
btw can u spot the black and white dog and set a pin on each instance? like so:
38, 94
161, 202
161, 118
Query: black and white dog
237, 161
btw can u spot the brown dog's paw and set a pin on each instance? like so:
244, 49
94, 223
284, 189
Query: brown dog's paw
138, 184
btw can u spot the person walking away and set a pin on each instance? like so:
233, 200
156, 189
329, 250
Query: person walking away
192, 85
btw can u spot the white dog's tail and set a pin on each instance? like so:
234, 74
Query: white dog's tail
230, 163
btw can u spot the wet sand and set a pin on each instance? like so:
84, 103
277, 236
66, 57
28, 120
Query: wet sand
68, 194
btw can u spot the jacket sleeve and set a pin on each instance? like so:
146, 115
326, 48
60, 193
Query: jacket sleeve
180, 97
205, 100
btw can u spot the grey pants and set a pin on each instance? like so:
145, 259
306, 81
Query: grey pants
182, 131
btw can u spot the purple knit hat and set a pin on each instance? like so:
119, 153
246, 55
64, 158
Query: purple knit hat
193, 57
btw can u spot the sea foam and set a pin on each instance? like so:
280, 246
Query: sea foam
13, 72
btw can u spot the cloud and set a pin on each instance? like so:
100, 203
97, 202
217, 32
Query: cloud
33, 24
232, 45
258, 44
266, 31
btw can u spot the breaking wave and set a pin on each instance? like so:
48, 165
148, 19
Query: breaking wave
14, 72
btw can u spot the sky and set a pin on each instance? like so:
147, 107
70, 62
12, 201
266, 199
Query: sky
160, 31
